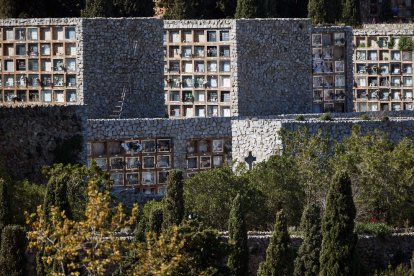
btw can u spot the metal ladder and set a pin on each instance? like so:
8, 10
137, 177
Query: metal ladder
117, 112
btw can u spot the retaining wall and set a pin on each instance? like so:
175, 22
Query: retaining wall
374, 253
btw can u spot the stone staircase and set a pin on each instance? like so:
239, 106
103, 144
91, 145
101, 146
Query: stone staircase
120, 104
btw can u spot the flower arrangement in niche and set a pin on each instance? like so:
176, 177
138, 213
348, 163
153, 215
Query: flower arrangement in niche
132, 147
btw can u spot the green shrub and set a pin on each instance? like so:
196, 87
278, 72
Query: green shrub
326, 117
364, 117
300, 118
405, 43
380, 229
391, 43
361, 45
12, 254
394, 271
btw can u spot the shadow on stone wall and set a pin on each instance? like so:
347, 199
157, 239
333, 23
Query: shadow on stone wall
33, 137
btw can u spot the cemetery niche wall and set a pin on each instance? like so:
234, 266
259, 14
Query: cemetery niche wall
38, 62
383, 68
229, 85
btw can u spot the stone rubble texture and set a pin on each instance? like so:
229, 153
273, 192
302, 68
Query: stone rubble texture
29, 137
110, 65
273, 66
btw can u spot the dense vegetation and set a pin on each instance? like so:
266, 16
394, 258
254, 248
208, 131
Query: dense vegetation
321, 11
365, 179
381, 172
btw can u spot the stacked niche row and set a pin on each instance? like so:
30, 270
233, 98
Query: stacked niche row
38, 65
329, 72
139, 163
204, 154
197, 72
383, 74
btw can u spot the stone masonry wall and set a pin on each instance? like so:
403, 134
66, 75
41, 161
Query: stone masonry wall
123, 54
178, 129
385, 29
31, 137
274, 73
255, 135
259, 135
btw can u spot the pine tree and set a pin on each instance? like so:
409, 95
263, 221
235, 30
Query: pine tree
246, 9
5, 212
307, 261
238, 260
386, 11
351, 14
279, 254
173, 210
339, 241
97, 8
12, 254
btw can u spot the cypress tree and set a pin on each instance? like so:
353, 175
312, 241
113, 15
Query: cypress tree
270, 9
149, 219
180, 9
238, 260
173, 204
97, 8
227, 7
155, 219
351, 14
56, 196
317, 11
307, 261
8, 8
5, 212
339, 241
334, 10
386, 11
40, 267
301, 9
325, 11
133, 8
279, 254
12, 254
62, 8
246, 9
